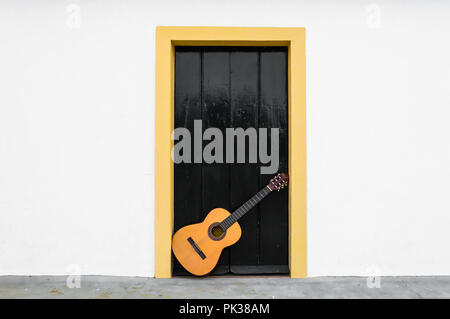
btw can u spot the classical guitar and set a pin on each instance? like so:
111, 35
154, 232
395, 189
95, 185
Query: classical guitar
198, 247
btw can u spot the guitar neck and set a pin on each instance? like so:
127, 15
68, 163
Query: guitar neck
248, 205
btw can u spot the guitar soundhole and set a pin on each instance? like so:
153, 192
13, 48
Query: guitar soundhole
216, 232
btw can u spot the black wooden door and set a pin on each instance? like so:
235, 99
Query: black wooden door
230, 87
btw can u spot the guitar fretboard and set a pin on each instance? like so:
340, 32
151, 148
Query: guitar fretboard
241, 211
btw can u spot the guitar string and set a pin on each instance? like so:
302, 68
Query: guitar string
243, 209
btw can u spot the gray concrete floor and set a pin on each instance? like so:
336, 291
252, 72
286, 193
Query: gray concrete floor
224, 287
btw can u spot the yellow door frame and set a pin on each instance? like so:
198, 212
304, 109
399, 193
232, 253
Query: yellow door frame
166, 40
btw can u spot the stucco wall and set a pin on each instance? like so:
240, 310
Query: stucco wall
77, 131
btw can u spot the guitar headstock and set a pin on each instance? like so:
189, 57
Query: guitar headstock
278, 182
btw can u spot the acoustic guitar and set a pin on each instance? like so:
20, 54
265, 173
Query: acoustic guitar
198, 247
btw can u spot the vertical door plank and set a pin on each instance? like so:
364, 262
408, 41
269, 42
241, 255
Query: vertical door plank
187, 176
244, 177
216, 113
273, 113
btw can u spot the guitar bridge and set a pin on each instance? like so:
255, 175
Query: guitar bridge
196, 248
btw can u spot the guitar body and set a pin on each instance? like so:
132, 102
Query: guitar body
198, 247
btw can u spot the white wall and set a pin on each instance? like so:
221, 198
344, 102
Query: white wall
77, 140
